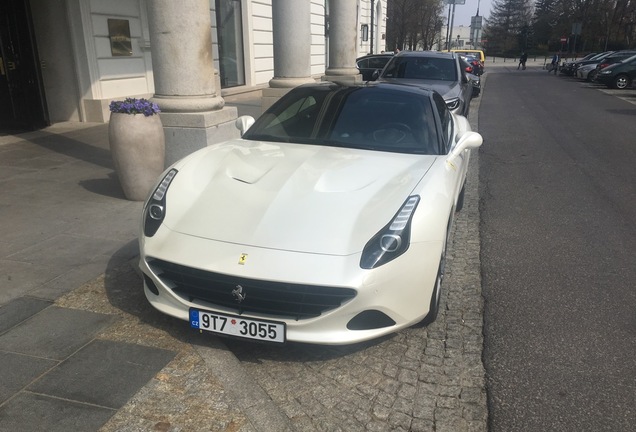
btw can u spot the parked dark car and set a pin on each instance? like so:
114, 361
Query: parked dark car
475, 64
473, 73
569, 68
371, 63
592, 61
619, 75
442, 72
617, 57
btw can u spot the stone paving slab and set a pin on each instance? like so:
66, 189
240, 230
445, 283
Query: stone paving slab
30, 412
19, 310
18, 371
103, 373
187, 394
54, 333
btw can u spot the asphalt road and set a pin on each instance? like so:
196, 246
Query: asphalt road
558, 230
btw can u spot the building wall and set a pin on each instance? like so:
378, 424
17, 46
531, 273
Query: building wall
101, 76
379, 25
261, 40
57, 63
318, 49
456, 43
92, 76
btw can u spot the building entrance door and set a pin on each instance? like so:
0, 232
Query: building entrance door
22, 104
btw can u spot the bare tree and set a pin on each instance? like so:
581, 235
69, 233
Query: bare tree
413, 24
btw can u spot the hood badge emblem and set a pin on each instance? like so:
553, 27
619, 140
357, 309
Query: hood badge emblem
238, 294
242, 259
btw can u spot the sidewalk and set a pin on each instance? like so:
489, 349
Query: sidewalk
82, 350
80, 347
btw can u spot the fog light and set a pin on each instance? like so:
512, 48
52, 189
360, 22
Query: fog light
156, 211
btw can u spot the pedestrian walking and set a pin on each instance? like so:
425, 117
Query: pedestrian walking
554, 65
522, 61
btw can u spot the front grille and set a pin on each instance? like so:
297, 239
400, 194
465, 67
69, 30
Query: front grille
283, 300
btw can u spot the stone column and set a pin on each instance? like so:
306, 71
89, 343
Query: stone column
193, 112
343, 38
291, 20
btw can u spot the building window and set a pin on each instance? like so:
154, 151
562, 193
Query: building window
230, 38
365, 32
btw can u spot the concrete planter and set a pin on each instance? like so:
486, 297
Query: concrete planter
137, 145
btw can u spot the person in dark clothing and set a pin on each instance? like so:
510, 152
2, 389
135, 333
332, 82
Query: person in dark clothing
522, 60
554, 65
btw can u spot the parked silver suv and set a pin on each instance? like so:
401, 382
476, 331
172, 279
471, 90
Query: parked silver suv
442, 72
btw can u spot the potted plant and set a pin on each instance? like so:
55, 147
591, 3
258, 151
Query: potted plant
137, 145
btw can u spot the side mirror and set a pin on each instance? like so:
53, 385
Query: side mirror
468, 140
243, 123
375, 75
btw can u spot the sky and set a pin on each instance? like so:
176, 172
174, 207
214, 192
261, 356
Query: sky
469, 9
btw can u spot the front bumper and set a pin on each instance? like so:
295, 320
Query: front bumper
400, 290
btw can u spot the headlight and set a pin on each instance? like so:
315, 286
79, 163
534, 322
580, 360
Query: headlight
392, 240
452, 103
155, 208
606, 72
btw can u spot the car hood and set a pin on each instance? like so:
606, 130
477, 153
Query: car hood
303, 198
448, 89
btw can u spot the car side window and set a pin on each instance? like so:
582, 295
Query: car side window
297, 120
377, 63
391, 68
446, 121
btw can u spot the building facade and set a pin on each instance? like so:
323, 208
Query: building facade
65, 60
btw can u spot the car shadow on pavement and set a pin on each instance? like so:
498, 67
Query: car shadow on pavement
124, 289
253, 352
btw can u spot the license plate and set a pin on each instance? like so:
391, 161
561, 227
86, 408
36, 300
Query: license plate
270, 331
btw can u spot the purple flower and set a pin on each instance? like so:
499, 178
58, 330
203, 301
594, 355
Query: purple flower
134, 106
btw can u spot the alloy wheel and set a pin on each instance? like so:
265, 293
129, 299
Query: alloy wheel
621, 82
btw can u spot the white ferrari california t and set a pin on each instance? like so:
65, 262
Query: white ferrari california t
326, 222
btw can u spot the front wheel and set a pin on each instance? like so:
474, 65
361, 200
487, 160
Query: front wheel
621, 82
460, 199
437, 293
591, 76
433, 308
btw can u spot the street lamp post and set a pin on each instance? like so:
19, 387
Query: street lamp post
449, 33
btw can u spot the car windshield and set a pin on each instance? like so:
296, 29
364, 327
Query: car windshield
370, 118
429, 68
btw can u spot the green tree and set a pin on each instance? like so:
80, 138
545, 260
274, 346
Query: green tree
508, 28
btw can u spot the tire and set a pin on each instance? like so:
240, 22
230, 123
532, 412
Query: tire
433, 308
591, 76
621, 82
460, 199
